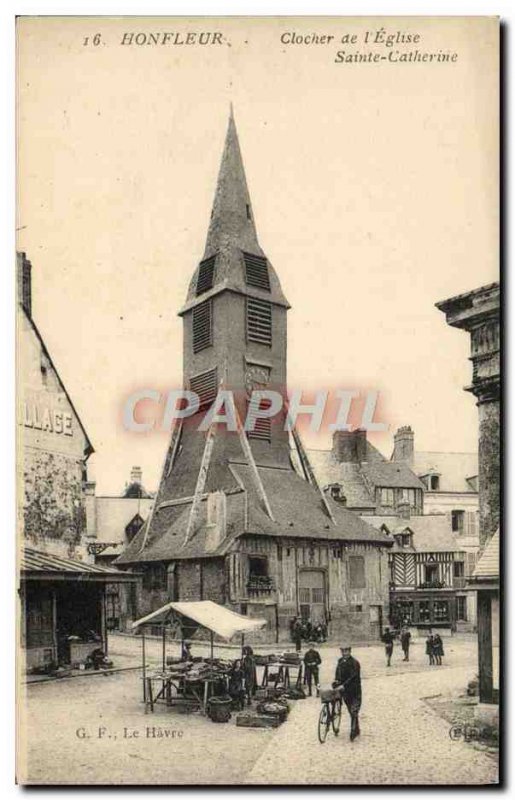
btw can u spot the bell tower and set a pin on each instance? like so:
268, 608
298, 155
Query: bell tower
234, 318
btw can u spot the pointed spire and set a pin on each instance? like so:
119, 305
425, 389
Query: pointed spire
232, 219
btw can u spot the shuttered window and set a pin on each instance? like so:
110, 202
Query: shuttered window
205, 386
259, 321
356, 572
206, 274
202, 326
256, 271
262, 428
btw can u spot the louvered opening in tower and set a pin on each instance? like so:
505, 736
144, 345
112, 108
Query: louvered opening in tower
259, 321
202, 326
206, 275
261, 426
205, 386
256, 271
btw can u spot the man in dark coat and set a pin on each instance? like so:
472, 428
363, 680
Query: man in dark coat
312, 663
388, 639
297, 634
348, 679
405, 641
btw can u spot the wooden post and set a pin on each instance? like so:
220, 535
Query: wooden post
242, 642
211, 644
144, 664
164, 646
484, 637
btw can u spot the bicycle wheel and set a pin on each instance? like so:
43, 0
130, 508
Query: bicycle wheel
324, 721
337, 717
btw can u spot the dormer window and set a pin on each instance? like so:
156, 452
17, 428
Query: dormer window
403, 539
431, 481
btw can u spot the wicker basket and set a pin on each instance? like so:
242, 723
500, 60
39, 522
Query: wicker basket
219, 709
329, 695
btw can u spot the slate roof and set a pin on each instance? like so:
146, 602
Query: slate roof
36, 562
487, 567
296, 506
453, 468
359, 479
431, 532
231, 231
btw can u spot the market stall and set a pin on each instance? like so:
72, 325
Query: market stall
188, 680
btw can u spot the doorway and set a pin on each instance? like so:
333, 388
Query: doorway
312, 595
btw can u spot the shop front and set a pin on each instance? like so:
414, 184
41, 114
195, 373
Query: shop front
63, 603
430, 608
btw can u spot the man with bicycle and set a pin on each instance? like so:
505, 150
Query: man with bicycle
348, 680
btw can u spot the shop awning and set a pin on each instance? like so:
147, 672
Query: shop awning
215, 618
36, 565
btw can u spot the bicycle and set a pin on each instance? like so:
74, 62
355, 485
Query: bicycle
330, 713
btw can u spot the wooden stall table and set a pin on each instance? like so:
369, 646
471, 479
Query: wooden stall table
283, 677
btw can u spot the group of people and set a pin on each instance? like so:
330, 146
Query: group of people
434, 648
306, 631
434, 645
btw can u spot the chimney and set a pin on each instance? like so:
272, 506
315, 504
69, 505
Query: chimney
24, 282
216, 520
403, 445
403, 509
350, 446
136, 475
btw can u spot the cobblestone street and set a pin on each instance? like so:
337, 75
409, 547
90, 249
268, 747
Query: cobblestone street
402, 741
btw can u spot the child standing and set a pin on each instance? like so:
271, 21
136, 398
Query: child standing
312, 663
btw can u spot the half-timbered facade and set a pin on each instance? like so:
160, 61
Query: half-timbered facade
427, 574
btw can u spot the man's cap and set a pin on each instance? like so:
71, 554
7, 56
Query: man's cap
345, 647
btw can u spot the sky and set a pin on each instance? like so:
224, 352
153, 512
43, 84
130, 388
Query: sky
374, 189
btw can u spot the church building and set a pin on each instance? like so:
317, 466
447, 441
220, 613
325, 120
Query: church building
233, 521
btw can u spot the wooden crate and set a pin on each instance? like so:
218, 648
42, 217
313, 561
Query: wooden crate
247, 720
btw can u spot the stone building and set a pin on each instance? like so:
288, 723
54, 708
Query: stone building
233, 521
62, 591
478, 313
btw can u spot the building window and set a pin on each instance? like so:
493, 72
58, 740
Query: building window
434, 483
431, 573
461, 608
256, 271
458, 569
259, 581
408, 496
202, 326
357, 572
387, 497
205, 386
424, 611
248, 211
441, 610
457, 521
243, 609
259, 321
357, 608
206, 274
